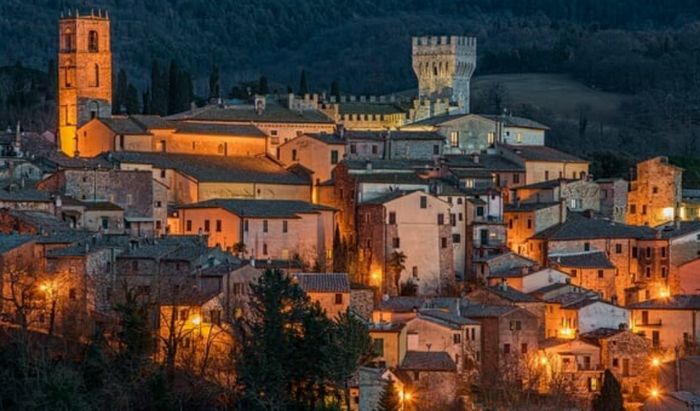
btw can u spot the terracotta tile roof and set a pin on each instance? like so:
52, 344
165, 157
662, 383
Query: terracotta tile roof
261, 208
676, 302
351, 135
596, 259
671, 230
445, 317
580, 227
542, 153
9, 242
123, 125
215, 168
514, 121
377, 165
273, 113
511, 294
548, 184
243, 130
428, 361
324, 283
528, 207
391, 178
474, 310
359, 107
331, 139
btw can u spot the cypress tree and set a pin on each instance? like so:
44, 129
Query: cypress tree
214, 83
174, 93
390, 400
335, 89
119, 103
610, 397
159, 91
146, 99
263, 87
303, 86
52, 77
133, 106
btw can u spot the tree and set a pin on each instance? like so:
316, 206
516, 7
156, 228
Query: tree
214, 83
180, 93
159, 91
132, 103
390, 399
396, 265
146, 102
610, 397
303, 86
335, 90
339, 253
120, 95
263, 87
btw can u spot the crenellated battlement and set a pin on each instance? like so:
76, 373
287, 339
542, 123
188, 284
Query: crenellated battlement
98, 14
428, 42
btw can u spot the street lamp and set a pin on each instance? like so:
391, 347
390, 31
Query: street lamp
656, 362
49, 289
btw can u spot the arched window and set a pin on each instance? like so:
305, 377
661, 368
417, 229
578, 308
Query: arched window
94, 109
93, 43
96, 76
221, 149
68, 40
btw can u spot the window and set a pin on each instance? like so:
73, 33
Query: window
506, 348
392, 217
72, 294
184, 313
655, 190
273, 132
93, 43
480, 211
374, 149
220, 149
379, 347
215, 317
245, 226
523, 348
454, 138
510, 223
443, 242
334, 156
664, 272
645, 317
338, 299
601, 274
615, 362
423, 202
353, 149
663, 252
516, 178
518, 137
396, 242
633, 209
188, 225
593, 384
456, 338
618, 248
264, 248
129, 199
655, 338
294, 155
415, 271
441, 219
436, 150
516, 325
68, 40
105, 223
573, 273
634, 252
207, 226
546, 175
264, 226
529, 223
644, 209
586, 246
218, 226
284, 226
456, 238
490, 138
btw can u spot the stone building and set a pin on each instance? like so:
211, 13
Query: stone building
330, 290
626, 354
573, 313
654, 192
84, 74
275, 229
590, 270
543, 163
419, 145
431, 376
526, 220
574, 364
613, 198
529, 280
669, 322
319, 153
577, 195
444, 66
509, 336
415, 224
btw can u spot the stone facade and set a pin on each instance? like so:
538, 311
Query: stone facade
444, 66
613, 198
84, 74
654, 193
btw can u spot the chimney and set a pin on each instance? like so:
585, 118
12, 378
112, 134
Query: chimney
368, 165
193, 107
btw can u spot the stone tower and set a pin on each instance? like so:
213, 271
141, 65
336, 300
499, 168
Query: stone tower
444, 66
84, 74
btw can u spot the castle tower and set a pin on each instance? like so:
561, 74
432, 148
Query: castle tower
84, 74
444, 66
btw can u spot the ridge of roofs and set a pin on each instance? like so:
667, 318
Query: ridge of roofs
261, 208
579, 227
391, 135
273, 113
244, 130
323, 282
593, 259
207, 168
676, 302
542, 153
515, 121
548, 183
428, 361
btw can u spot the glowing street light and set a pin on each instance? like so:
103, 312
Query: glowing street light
656, 362
654, 392
196, 319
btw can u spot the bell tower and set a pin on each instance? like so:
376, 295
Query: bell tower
444, 66
84, 74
